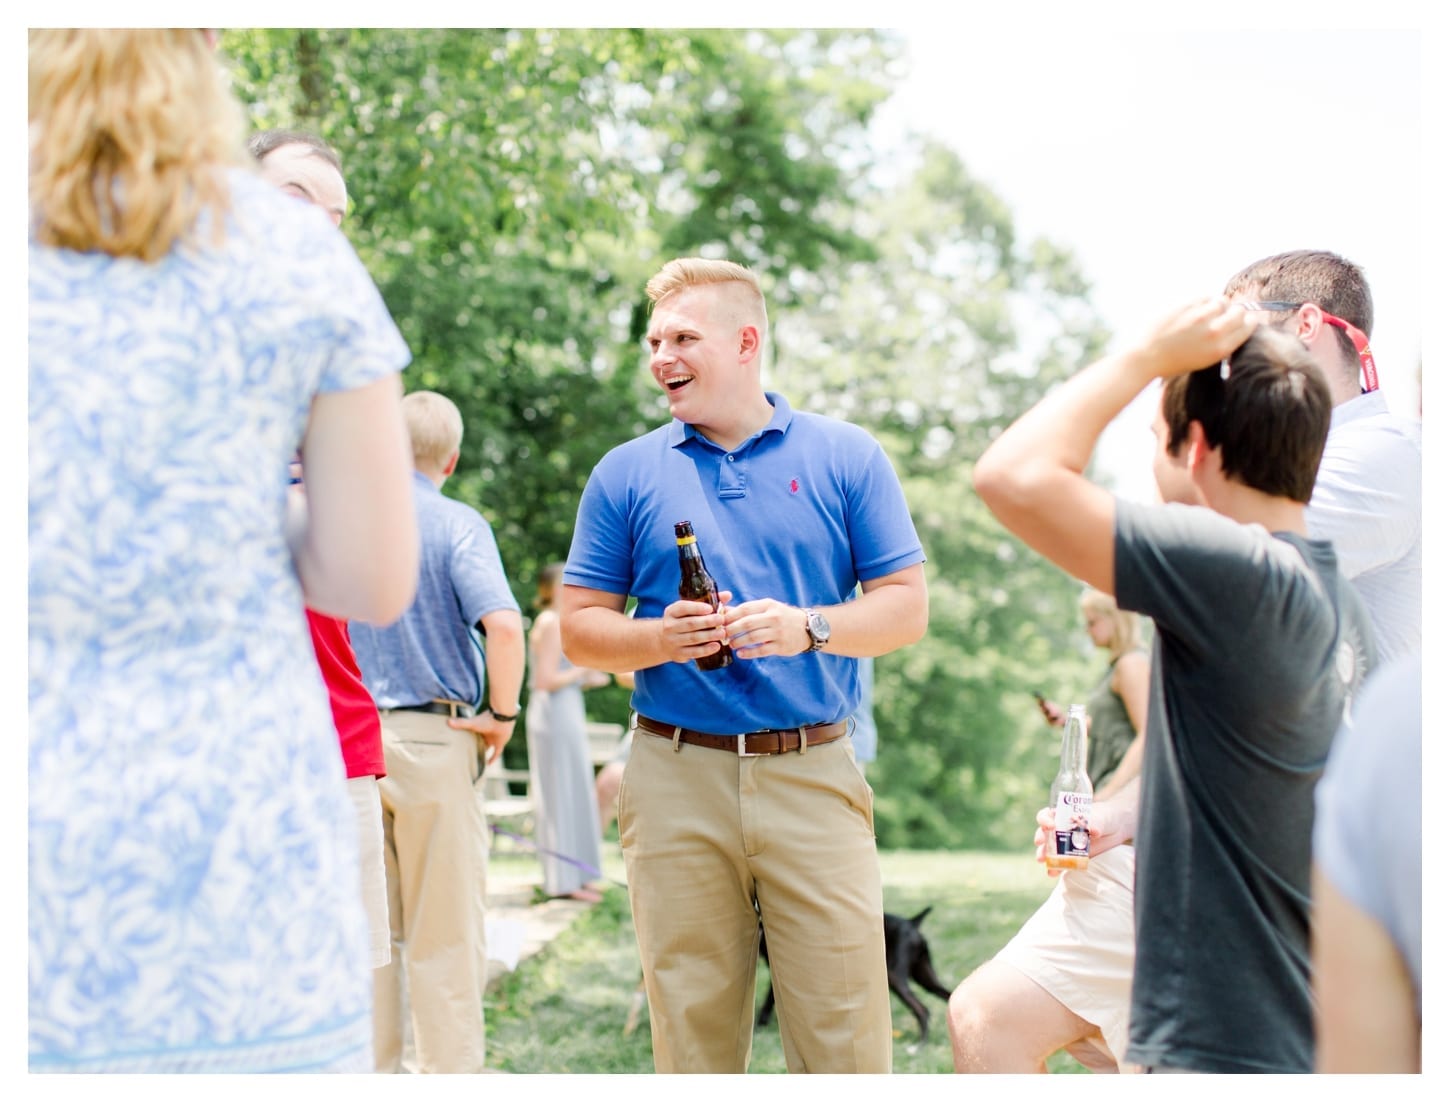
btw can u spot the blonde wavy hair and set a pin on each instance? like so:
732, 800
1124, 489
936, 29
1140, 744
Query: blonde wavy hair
128, 132
1127, 630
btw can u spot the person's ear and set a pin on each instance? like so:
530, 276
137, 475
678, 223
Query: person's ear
1308, 323
749, 342
452, 464
1196, 446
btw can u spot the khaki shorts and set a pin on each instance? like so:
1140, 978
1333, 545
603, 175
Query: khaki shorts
369, 809
1078, 948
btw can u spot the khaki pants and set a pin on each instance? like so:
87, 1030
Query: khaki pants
707, 834
435, 853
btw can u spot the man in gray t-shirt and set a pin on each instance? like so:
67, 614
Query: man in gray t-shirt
1259, 641
1258, 644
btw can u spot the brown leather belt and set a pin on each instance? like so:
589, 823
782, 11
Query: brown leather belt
753, 744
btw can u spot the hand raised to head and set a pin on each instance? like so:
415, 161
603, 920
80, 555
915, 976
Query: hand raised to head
1197, 335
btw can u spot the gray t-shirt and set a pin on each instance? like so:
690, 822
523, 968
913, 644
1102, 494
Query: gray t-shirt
1259, 643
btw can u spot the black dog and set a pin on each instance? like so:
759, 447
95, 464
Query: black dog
907, 958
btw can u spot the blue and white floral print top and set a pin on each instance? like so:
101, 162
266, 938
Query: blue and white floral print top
194, 900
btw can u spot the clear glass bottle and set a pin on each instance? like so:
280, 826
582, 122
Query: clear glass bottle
696, 584
1071, 797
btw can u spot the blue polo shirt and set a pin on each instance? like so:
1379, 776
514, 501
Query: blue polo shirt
803, 511
433, 651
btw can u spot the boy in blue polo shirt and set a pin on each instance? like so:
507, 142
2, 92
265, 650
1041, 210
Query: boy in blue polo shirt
741, 790
448, 707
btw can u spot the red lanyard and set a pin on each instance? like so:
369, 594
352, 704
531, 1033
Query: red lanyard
1361, 345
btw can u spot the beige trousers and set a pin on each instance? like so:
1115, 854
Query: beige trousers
435, 848
706, 835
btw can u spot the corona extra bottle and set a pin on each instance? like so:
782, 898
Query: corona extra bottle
1071, 797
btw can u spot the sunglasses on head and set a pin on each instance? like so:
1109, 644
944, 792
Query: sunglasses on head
1355, 334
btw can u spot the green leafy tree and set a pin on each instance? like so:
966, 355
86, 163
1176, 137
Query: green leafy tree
512, 190
952, 331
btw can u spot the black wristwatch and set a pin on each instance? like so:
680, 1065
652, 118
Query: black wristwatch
502, 718
818, 628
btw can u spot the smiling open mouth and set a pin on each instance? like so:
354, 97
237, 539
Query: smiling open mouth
675, 384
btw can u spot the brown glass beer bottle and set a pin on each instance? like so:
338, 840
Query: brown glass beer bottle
697, 585
1071, 797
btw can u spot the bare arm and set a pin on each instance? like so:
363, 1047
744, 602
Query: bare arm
1130, 765
503, 659
890, 613
1032, 477
1114, 820
1364, 1000
595, 632
355, 544
545, 651
1130, 682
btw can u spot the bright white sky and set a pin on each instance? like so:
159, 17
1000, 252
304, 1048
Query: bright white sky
1169, 159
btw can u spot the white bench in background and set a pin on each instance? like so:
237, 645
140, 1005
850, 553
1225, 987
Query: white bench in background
513, 810
510, 810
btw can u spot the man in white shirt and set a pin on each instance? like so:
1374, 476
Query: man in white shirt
1367, 495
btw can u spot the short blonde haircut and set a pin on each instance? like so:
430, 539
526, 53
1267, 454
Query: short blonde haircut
129, 132
696, 271
1127, 630
435, 427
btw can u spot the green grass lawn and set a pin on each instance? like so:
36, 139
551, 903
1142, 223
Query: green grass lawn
564, 1010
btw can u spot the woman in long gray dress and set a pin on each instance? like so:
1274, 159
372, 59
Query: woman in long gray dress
561, 775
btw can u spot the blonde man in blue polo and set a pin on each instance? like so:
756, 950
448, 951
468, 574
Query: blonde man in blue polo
741, 790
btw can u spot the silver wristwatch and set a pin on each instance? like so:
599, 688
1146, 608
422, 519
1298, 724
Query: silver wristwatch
818, 628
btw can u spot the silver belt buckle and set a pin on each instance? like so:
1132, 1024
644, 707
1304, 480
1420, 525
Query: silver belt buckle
740, 750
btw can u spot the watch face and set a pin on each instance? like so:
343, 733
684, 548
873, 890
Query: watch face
818, 627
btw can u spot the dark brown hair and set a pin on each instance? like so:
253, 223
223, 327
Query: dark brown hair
1269, 418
